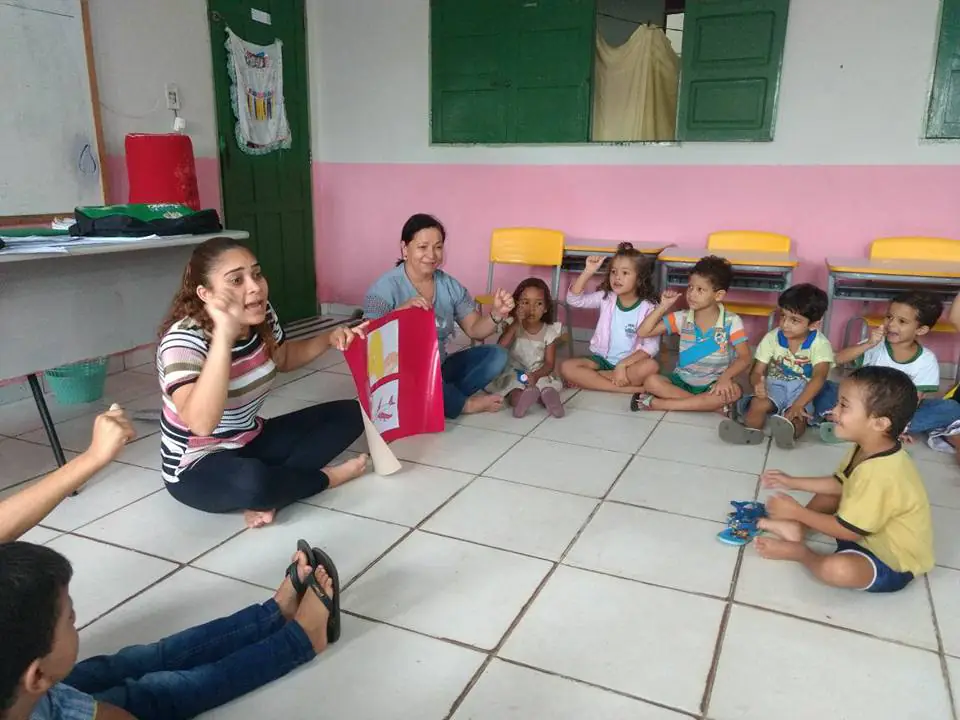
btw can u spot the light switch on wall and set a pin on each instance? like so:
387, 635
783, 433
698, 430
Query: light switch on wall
173, 96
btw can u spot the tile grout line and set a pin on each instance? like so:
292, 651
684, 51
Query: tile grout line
727, 609
529, 603
944, 668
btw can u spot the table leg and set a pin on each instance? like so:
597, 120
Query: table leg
47, 420
831, 292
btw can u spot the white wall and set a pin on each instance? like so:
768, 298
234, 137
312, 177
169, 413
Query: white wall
139, 46
854, 90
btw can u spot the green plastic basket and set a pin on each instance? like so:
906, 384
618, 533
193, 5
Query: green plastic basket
78, 383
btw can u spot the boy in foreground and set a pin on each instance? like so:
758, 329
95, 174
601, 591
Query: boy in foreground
875, 506
790, 368
713, 345
179, 677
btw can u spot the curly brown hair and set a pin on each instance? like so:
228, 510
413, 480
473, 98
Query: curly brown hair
187, 303
643, 267
547, 299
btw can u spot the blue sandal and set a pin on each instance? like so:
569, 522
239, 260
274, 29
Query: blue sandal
739, 532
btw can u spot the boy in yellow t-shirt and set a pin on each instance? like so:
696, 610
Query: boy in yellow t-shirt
875, 505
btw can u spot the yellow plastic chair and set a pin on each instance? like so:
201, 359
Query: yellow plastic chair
750, 241
906, 248
535, 247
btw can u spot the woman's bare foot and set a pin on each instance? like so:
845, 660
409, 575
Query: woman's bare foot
312, 615
286, 597
482, 403
789, 530
773, 549
346, 471
258, 518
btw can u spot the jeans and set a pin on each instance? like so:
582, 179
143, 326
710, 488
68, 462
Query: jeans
467, 372
934, 415
280, 466
825, 401
198, 669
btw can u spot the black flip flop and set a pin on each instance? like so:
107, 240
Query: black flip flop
332, 604
300, 586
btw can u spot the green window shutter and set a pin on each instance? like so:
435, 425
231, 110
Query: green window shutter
943, 117
731, 59
470, 71
552, 87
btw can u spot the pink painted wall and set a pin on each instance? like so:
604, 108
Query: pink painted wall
208, 181
827, 210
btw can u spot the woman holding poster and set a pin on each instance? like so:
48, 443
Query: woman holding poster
418, 282
221, 346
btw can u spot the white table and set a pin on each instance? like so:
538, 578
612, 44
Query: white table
95, 300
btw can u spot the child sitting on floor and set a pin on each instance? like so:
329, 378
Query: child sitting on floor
620, 359
531, 339
875, 506
181, 676
790, 368
910, 316
713, 345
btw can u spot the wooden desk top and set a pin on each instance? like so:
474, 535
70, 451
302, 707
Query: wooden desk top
123, 246
892, 266
736, 257
586, 246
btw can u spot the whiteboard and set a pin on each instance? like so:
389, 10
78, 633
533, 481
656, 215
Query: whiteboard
49, 153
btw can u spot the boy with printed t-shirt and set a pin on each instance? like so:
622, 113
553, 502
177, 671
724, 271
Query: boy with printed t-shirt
875, 505
790, 368
713, 345
894, 344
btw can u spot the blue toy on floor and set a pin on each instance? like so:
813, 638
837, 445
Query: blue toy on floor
742, 522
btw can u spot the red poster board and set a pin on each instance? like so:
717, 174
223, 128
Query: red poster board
397, 373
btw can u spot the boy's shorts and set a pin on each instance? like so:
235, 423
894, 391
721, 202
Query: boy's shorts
679, 382
782, 393
602, 362
885, 578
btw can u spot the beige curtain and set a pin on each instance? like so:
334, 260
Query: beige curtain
635, 88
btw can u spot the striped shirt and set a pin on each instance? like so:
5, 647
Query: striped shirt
705, 354
180, 358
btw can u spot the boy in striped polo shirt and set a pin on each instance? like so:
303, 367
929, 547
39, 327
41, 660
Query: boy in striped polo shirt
713, 345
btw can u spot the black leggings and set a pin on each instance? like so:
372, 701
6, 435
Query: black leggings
282, 465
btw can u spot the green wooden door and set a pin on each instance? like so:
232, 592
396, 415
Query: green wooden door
730, 69
470, 71
270, 195
511, 71
943, 118
555, 46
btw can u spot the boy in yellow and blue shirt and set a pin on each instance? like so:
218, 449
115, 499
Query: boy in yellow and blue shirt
789, 371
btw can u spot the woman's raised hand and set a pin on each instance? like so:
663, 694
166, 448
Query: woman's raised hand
227, 315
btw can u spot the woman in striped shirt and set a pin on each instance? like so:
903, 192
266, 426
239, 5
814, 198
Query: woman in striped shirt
220, 349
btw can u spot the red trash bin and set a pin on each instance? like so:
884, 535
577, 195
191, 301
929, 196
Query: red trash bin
161, 169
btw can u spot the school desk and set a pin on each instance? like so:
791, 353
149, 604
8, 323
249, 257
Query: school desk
577, 250
92, 301
877, 280
765, 272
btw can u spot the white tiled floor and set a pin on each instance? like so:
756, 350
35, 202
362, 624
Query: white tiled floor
516, 569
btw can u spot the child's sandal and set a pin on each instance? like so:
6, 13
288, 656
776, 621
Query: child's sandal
736, 434
640, 401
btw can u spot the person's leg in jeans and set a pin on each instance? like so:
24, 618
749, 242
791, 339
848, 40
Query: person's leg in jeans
825, 401
287, 462
466, 373
195, 646
934, 414
212, 664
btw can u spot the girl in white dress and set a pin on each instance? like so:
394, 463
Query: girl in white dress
531, 337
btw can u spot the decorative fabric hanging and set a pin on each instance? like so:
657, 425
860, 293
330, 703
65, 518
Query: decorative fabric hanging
256, 94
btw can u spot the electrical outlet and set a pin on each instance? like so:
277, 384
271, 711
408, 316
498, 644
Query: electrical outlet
173, 96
